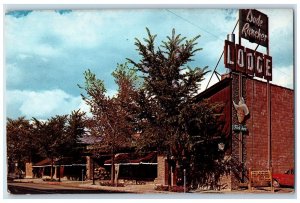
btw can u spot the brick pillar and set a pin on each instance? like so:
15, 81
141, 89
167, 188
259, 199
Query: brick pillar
162, 175
89, 167
238, 144
28, 170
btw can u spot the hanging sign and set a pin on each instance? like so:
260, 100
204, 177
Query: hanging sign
253, 26
241, 110
239, 128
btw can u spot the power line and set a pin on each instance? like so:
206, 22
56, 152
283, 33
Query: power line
282, 72
193, 24
188, 21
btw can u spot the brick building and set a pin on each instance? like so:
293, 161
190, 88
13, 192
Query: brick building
267, 140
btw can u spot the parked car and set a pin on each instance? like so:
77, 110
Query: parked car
286, 179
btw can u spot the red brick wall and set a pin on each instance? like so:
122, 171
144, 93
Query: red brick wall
253, 148
283, 129
257, 124
282, 126
223, 97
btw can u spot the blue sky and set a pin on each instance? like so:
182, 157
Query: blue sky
46, 52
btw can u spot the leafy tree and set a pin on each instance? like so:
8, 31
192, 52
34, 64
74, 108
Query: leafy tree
60, 136
113, 117
75, 130
206, 137
51, 136
21, 145
167, 99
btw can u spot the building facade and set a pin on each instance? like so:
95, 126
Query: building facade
260, 137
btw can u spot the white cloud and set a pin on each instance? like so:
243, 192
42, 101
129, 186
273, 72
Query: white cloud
49, 45
85, 108
23, 56
279, 18
41, 104
47, 33
14, 75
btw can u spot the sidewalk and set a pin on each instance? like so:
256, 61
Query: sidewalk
148, 188
130, 188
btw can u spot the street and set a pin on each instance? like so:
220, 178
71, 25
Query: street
77, 187
37, 188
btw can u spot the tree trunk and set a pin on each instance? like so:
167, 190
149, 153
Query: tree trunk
51, 170
112, 176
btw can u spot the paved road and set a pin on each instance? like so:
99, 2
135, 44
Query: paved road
35, 188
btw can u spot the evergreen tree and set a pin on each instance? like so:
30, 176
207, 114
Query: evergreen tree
169, 113
169, 87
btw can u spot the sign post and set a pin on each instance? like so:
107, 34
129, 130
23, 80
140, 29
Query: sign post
184, 180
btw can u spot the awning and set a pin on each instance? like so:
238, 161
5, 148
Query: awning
134, 159
58, 162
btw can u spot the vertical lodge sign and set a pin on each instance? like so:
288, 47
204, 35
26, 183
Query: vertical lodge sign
254, 27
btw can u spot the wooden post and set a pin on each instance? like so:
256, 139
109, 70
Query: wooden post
250, 179
271, 174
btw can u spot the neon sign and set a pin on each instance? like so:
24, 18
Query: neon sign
241, 59
253, 26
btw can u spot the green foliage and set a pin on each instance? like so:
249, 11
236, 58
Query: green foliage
59, 136
55, 138
171, 120
113, 118
94, 89
21, 144
169, 86
75, 130
51, 135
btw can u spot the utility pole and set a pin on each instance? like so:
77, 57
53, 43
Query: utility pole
93, 171
184, 180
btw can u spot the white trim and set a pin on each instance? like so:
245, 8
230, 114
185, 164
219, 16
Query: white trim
59, 165
125, 164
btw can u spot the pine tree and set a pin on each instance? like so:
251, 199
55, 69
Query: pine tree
169, 86
169, 113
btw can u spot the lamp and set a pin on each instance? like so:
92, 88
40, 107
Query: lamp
221, 146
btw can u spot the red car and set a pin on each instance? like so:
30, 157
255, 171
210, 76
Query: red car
287, 179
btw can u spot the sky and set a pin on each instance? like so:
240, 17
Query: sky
47, 51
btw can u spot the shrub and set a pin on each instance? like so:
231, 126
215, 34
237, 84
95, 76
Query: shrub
102, 183
170, 188
162, 188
